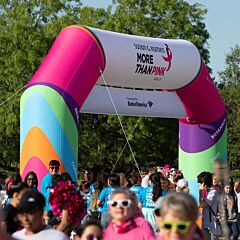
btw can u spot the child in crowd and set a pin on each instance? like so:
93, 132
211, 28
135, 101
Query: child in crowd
182, 186
230, 205
94, 210
147, 198
136, 183
14, 192
113, 183
86, 195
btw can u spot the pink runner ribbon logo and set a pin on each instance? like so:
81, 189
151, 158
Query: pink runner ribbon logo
168, 58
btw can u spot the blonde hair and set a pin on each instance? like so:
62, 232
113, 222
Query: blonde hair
181, 204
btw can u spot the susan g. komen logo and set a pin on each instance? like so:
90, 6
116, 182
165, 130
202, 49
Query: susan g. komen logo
168, 58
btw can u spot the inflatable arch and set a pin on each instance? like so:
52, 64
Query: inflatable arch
145, 77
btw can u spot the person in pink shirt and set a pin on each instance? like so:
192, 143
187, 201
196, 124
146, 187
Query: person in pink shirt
126, 224
176, 215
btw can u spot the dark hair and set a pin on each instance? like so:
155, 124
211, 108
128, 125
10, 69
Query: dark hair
16, 178
66, 177
84, 185
98, 185
177, 177
16, 188
35, 177
205, 178
82, 227
54, 163
56, 179
13, 180
136, 178
114, 179
157, 189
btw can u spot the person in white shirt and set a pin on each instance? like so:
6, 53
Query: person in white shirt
31, 216
145, 179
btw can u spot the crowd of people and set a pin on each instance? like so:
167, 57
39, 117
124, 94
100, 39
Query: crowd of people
154, 204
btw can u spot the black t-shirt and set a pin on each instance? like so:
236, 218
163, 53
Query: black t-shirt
11, 219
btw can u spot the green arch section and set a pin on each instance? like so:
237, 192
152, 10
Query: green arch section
58, 106
194, 163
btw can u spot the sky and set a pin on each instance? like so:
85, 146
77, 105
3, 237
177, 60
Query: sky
222, 22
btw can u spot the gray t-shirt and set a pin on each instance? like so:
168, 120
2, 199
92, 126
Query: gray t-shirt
209, 220
47, 233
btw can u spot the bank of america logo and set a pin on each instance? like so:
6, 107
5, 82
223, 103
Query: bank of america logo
150, 103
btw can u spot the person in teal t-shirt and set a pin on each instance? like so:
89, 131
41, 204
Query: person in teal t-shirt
136, 182
46, 185
113, 182
147, 198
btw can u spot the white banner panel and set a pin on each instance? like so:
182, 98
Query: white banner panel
147, 63
129, 102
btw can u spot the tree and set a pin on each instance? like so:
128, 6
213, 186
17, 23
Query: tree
230, 90
28, 29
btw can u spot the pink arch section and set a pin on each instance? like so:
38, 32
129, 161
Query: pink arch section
40, 170
201, 100
72, 63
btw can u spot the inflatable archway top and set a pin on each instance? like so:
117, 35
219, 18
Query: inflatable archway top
145, 77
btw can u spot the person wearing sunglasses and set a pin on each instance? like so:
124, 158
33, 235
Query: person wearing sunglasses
46, 186
125, 223
176, 215
91, 230
31, 180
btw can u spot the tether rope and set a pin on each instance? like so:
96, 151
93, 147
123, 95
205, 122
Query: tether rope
115, 109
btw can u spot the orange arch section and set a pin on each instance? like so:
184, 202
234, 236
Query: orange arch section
37, 144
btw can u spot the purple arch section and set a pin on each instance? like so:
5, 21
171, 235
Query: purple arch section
201, 136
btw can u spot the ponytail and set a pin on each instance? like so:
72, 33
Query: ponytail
157, 189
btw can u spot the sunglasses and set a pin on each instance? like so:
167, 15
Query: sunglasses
180, 226
54, 168
31, 179
120, 203
93, 237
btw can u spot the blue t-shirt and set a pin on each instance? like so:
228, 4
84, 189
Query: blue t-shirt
136, 189
92, 190
145, 197
45, 189
104, 197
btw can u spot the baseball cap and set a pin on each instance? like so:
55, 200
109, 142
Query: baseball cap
31, 201
182, 183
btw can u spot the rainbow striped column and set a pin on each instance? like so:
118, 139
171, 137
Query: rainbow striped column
50, 105
48, 131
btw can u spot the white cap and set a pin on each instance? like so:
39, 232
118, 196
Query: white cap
182, 183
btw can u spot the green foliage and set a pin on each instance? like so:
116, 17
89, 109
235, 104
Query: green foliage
230, 91
28, 29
